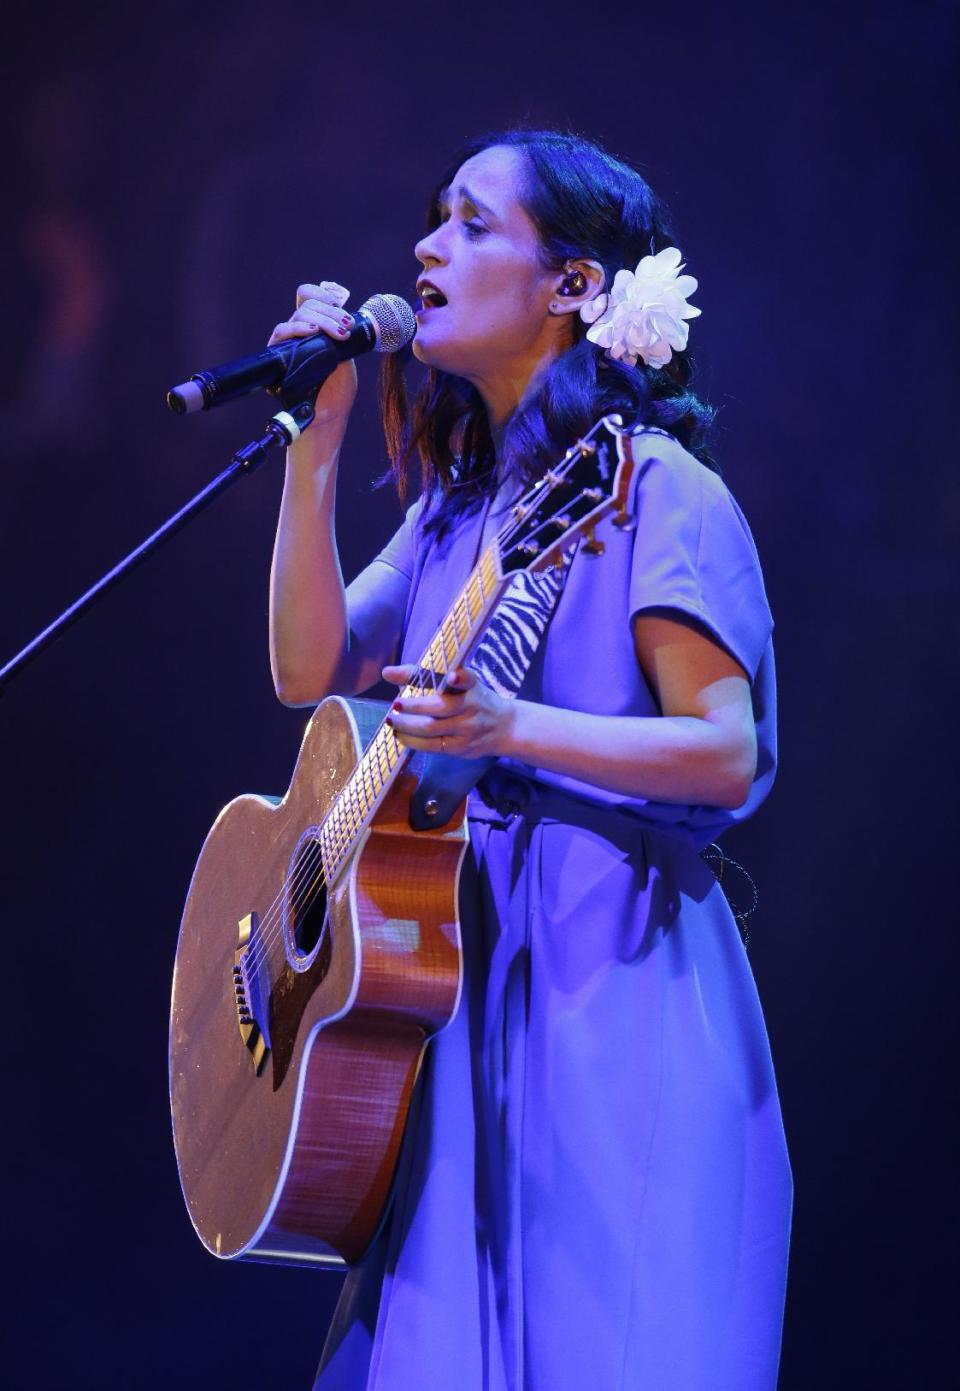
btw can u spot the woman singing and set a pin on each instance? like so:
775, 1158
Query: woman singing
594, 1191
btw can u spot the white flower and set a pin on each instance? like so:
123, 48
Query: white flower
645, 313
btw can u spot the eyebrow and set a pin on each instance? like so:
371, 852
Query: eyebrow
468, 197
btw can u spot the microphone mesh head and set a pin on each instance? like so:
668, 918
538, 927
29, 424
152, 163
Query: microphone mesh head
393, 321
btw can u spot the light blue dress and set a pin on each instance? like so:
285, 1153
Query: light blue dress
595, 1190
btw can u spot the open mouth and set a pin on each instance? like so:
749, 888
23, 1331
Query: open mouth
431, 298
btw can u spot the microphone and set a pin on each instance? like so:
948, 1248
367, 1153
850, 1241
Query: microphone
384, 323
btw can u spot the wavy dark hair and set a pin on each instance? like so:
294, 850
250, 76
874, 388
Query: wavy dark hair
584, 203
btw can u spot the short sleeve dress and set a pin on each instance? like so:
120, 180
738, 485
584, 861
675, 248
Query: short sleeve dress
594, 1190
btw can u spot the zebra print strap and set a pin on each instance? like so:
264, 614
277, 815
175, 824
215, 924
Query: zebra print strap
501, 661
517, 627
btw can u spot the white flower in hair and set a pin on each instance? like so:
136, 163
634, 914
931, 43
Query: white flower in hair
645, 313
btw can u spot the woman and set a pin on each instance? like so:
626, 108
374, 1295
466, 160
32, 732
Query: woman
595, 1190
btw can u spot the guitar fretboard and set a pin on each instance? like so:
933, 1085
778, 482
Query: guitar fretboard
351, 813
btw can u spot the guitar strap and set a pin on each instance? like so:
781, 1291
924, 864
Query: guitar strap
501, 661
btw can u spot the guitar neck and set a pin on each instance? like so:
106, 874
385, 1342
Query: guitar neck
385, 756
587, 484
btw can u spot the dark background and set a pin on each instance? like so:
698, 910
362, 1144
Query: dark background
170, 175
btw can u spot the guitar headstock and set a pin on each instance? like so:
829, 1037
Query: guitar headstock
589, 483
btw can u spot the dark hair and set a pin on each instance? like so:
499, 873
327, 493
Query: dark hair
584, 203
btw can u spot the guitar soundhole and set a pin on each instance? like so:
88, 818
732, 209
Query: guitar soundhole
305, 911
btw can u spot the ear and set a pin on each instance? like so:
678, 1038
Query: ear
578, 282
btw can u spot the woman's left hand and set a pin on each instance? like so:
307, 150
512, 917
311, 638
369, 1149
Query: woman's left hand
468, 719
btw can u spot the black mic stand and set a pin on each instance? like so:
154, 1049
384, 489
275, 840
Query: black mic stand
286, 426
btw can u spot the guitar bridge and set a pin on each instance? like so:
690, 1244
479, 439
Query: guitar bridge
249, 968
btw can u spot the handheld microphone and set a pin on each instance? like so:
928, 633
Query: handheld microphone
384, 323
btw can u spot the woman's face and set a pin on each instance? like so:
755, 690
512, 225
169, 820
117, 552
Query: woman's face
494, 325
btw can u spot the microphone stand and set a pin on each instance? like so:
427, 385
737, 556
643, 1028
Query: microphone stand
286, 426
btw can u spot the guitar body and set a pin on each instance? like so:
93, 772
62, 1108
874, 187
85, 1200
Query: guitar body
301, 1009
299, 1018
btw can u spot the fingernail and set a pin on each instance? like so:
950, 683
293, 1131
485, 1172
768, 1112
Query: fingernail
346, 321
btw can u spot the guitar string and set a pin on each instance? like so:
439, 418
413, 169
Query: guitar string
312, 859
271, 928
301, 889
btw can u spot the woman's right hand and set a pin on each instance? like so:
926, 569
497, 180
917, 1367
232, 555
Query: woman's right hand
320, 310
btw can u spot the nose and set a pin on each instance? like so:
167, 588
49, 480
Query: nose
429, 249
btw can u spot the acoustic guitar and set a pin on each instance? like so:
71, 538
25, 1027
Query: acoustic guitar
319, 949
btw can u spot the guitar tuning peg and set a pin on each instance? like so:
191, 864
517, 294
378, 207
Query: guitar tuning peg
591, 546
623, 521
